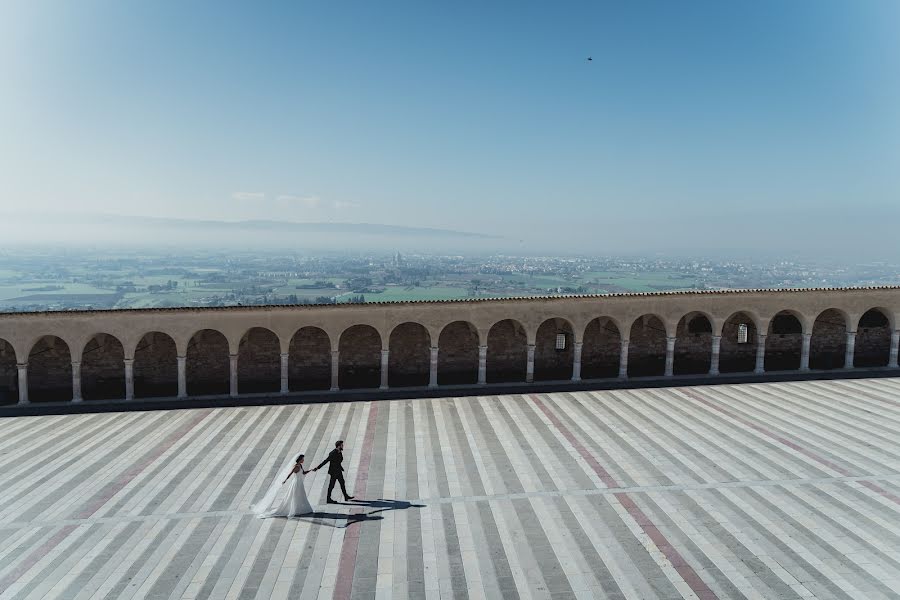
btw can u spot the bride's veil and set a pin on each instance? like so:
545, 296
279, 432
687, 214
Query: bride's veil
266, 501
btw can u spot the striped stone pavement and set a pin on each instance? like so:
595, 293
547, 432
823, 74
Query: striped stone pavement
779, 490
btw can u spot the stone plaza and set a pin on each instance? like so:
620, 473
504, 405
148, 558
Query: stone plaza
769, 490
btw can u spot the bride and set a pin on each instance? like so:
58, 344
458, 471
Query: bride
288, 501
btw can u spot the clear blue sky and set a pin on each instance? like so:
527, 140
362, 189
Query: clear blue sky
468, 115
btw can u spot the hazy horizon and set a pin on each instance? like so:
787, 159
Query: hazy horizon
702, 127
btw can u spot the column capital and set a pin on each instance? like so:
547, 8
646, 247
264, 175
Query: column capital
76, 363
232, 355
128, 361
22, 365
284, 355
385, 351
335, 352
578, 344
716, 337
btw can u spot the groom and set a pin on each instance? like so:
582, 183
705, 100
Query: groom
335, 470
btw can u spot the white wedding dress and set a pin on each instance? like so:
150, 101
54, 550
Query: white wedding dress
287, 500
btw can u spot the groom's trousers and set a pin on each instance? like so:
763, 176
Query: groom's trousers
339, 477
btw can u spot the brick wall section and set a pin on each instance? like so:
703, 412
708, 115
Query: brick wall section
647, 348
309, 360
507, 352
155, 366
873, 346
50, 371
9, 374
360, 358
693, 351
829, 341
207, 364
600, 352
409, 363
549, 363
735, 357
458, 354
103, 369
259, 362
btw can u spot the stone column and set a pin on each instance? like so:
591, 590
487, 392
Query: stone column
576, 364
623, 359
433, 368
335, 366
385, 365
760, 353
284, 373
182, 376
529, 366
129, 379
670, 355
714, 358
804, 352
23, 382
892, 363
76, 381
232, 375
482, 365
851, 349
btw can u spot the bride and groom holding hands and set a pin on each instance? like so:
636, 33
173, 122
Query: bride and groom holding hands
291, 500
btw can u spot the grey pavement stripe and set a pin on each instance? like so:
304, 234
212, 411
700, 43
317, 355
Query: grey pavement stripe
314, 544
121, 587
248, 466
837, 409
178, 571
415, 566
574, 528
230, 549
272, 537
30, 478
106, 556
445, 519
815, 432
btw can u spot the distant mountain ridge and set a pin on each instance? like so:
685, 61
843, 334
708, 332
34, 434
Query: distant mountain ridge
248, 226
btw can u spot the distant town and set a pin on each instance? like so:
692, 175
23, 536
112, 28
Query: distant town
40, 280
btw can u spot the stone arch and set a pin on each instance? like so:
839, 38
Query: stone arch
155, 366
647, 347
550, 363
103, 368
50, 370
784, 342
409, 362
873, 339
360, 358
507, 353
601, 350
208, 371
309, 360
693, 344
828, 344
9, 374
735, 354
458, 354
259, 362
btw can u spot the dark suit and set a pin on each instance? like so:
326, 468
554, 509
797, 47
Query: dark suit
336, 471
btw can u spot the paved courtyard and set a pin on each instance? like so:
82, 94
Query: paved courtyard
781, 490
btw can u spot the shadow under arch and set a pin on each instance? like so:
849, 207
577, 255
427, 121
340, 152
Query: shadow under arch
552, 363
737, 350
828, 344
360, 358
507, 353
309, 360
9, 374
647, 347
50, 370
601, 349
259, 361
458, 354
693, 344
873, 339
208, 371
155, 366
409, 361
103, 368
784, 342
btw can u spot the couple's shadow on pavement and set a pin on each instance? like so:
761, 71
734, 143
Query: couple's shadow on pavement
342, 520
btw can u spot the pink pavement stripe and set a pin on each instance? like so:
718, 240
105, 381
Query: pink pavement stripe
790, 444
115, 486
347, 564
675, 558
32, 559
